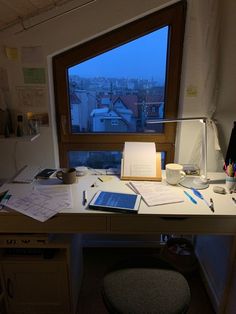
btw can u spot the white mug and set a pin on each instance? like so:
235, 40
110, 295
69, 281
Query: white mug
174, 173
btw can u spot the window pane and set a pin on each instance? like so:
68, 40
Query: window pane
95, 159
117, 91
100, 159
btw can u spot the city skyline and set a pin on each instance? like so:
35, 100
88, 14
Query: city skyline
127, 60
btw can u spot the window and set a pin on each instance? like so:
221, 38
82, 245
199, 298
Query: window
107, 88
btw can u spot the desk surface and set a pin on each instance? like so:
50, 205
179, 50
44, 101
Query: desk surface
184, 217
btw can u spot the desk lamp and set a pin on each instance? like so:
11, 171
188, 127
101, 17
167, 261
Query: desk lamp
201, 182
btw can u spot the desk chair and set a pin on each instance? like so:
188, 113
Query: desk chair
146, 290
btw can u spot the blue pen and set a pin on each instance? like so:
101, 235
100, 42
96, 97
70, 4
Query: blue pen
190, 197
198, 194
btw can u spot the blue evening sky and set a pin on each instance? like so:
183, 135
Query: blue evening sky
143, 58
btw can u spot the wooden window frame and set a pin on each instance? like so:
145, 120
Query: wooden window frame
172, 16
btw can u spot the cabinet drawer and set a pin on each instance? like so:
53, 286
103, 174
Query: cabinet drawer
171, 224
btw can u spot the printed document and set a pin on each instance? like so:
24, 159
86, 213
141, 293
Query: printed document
42, 203
156, 193
139, 159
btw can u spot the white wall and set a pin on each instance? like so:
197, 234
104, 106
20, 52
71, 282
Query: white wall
54, 36
214, 252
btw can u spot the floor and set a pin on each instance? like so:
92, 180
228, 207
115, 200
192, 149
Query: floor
98, 261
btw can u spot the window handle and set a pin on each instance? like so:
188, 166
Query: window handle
63, 124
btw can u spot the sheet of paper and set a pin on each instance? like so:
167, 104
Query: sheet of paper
34, 75
43, 203
33, 55
139, 159
11, 53
156, 193
31, 98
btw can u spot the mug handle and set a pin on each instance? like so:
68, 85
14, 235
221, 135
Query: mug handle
183, 175
59, 175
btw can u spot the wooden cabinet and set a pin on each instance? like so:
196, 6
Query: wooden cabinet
42, 279
2, 298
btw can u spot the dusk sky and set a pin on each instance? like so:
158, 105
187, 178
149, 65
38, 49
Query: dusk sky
142, 58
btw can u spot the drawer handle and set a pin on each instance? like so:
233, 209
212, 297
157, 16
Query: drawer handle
174, 218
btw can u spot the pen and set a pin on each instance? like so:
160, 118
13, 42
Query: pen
234, 200
5, 199
212, 205
85, 198
3, 194
190, 197
198, 194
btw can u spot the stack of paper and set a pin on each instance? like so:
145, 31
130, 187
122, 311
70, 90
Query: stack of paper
42, 204
156, 193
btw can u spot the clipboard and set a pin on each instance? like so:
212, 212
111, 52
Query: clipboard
158, 176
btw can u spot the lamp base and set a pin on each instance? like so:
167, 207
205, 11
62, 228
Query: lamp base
197, 183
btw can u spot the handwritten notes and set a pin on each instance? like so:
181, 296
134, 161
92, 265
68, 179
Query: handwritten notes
156, 193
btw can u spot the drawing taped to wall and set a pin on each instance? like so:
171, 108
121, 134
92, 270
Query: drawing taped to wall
31, 99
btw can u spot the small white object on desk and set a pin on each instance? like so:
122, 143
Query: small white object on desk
81, 171
219, 190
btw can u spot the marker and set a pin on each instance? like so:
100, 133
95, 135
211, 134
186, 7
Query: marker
234, 200
212, 205
3, 194
85, 198
5, 199
190, 197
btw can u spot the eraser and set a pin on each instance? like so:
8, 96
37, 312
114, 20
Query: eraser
219, 189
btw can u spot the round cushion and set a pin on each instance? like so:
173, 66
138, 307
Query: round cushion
146, 290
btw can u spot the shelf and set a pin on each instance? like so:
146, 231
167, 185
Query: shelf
26, 138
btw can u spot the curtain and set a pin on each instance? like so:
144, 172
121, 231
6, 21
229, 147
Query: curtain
199, 86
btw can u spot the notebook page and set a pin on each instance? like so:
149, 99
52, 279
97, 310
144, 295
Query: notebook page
139, 159
156, 193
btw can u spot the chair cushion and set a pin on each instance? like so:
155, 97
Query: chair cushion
146, 290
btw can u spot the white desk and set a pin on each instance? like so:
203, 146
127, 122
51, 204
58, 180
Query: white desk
178, 218
181, 218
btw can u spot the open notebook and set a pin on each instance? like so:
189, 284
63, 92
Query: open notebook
156, 193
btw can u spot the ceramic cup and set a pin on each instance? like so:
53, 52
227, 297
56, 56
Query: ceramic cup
174, 173
67, 175
230, 183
